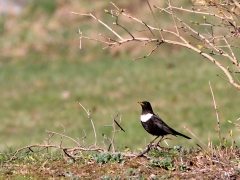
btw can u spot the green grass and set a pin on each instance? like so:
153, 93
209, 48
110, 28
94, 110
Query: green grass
177, 87
44, 75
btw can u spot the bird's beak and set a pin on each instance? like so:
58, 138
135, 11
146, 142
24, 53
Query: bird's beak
140, 103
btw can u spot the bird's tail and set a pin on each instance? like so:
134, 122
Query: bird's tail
177, 133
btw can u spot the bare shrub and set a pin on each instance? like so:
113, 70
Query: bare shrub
214, 31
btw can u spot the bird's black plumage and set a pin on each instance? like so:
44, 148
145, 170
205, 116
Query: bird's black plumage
154, 124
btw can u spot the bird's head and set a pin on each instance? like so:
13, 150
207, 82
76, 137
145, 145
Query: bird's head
146, 106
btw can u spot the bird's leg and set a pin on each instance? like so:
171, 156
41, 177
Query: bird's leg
149, 145
162, 138
159, 142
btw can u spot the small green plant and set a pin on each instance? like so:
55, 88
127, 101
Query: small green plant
165, 163
102, 157
116, 177
117, 158
2, 158
130, 171
182, 167
156, 153
106, 157
179, 148
173, 153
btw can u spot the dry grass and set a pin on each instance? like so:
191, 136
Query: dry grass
168, 164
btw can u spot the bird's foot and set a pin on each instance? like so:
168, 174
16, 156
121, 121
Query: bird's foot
158, 147
154, 146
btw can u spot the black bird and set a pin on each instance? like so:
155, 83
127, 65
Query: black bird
154, 125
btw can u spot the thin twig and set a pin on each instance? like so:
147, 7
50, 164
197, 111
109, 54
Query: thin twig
216, 110
113, 135
155, 19
80, 38
123, 27
14, 154
170, 6
89, 117
111, 142
149, 54
236, 3
62, 135
194, 135
94, 17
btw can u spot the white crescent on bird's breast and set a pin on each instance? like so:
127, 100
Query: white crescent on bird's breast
145, 117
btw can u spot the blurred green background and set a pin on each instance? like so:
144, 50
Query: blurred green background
44, 75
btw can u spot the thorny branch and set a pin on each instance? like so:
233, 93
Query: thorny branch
220, 19
111, 140
72, 152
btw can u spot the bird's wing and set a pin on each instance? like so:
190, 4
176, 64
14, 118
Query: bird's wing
162, 125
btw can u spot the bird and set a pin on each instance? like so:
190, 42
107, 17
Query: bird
154, 125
